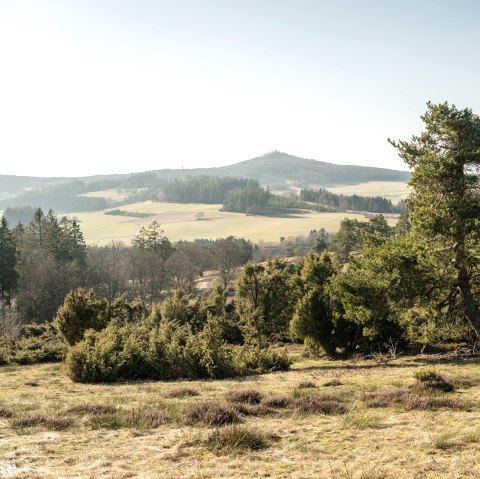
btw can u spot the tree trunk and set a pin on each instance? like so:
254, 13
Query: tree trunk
469, 307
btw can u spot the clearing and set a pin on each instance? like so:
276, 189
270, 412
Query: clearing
180, 221
330, 419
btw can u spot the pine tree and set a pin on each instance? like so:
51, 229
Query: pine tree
8, 274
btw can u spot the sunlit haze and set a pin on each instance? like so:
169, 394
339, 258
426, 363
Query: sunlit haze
90, 87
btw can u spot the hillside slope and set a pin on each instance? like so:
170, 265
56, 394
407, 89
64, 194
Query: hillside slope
275, 169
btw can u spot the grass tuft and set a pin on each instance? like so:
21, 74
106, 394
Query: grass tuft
237, 439
362, 419
430, 380
58, 423
4, 412
137, 419
247, 396
307, 385
321, 404
255, 410
333, 383
408, 400
182, 392
443, 440
83, 409
211, 414
277, 401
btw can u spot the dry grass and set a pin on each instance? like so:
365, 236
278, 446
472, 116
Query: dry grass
137, 430
393, 190
307, 385
182, 392
179, 222
321, 404
45, 422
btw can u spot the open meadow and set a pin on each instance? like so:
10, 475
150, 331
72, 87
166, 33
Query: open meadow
392, 190
330, 419
182, 221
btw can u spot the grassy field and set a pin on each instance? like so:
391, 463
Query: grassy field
393, 190
323, 419
179, 221
112, 194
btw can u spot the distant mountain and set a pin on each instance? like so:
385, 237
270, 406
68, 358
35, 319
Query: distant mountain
280, 171
276, 169
12, 185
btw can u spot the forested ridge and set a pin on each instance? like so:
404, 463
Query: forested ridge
239, 195
126, 311
204, 185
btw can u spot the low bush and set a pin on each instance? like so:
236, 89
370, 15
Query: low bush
332, 383
137, 350
57, 423
211, 414
256, 410
307, 385
4, 412
237, 439
143, 419
409, 400
321, 404
82, 409
182, 392
464, 381
37, 343
249, 396
430, 380
277, 401
255, 361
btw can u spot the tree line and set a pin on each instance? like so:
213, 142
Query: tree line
374, 204
240, 195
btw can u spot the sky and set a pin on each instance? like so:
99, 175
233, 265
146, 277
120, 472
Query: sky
115, 86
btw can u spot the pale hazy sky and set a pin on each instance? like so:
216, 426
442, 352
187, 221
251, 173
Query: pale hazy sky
110, 86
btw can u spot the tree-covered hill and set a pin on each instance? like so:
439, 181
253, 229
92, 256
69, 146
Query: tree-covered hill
276, 169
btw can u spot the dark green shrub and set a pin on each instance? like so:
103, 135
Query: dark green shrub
425, 375
116, 353
80, 311
4, 351
161, 349
38, 343
255, 361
